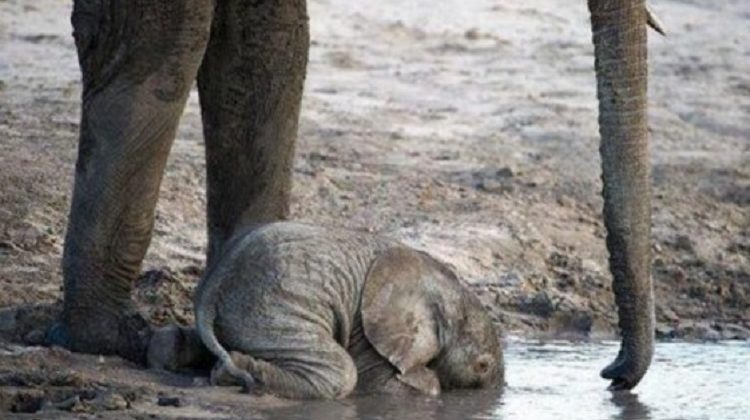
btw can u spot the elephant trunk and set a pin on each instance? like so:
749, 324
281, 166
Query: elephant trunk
619, 34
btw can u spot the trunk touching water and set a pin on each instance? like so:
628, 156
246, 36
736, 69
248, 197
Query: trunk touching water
619, 34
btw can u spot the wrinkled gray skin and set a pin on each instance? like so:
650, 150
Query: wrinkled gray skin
310, 312
138, 61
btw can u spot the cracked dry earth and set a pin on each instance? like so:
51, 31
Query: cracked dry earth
465, 128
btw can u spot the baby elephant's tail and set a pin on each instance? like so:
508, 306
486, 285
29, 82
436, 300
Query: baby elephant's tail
204, 323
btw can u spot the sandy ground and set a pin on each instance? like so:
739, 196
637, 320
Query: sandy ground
466, 128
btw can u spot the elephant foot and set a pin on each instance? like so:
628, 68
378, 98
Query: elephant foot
176, 348
221, 375
126, 335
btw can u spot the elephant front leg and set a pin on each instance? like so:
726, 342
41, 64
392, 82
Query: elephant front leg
250, 85
138, 61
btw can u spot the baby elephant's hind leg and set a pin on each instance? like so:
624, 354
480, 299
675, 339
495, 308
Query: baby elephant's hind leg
319, 371
175, 348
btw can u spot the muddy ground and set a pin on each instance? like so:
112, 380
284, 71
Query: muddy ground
466, 128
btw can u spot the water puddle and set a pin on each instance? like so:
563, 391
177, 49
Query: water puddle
559, 380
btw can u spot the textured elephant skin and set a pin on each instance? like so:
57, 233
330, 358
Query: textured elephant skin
307, 312
138, 62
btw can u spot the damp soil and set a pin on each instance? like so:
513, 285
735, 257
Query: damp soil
545, 379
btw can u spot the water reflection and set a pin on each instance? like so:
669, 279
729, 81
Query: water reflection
451, 406
630, 407
560, 380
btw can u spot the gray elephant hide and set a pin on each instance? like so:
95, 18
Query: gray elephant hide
308, 312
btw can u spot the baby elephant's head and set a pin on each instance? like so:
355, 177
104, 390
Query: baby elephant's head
416, 312
471, 356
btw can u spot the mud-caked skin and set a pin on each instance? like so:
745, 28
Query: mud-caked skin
138, 61
308, 311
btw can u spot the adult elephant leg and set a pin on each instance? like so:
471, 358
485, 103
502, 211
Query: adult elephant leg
250, 87
619, 34
138, 60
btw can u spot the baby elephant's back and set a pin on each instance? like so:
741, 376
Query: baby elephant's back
288, 280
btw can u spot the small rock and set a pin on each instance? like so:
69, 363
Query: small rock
712, 335
505, 172
572, 323
734, 332
201, 381
155, 278
446, 156
34, 338
7, 321
565, 280
565, 201
60, 352
683, 242
68, 404
317, 156
472, 34
6, 247
25, 235
590, 265
113, 402
512, 279
495, 186
79, 407
665, 332
698, 291
659, 262
166, 401
541, 305
28, 402
668, 314
697, 331
69, 378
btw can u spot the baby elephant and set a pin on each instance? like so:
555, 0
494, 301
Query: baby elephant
310, 312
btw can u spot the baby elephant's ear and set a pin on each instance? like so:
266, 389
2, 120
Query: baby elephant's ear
399, 308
